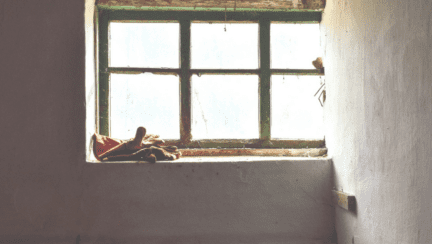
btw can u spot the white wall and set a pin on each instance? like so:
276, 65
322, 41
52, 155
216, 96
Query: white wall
378, 114
49, 194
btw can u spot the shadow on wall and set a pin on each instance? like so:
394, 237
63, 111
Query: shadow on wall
208, 239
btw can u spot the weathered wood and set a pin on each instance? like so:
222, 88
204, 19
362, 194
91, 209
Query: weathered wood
107, 14
283, 16
185, 83
297, 71
264, 82
221, 5
344, 200
225, 71
129, 70
103, 82
137, 70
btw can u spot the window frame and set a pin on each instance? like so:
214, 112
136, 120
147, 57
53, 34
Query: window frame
264, 18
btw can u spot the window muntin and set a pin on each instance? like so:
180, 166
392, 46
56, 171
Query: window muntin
185, 72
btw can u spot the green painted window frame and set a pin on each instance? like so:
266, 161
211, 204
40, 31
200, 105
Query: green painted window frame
185, 17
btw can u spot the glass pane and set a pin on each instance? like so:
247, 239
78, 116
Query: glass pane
294, 46
146, 45
296, 112
145, 100
225, 107
213, 47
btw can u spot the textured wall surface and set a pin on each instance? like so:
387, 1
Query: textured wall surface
49, 194
378, 61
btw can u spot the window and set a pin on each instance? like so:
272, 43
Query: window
211, 79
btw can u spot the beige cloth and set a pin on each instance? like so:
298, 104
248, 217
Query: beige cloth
151, 149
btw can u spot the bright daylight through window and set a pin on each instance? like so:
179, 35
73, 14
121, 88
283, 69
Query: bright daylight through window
234, 83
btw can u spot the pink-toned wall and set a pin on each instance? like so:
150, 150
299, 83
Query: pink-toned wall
49, 194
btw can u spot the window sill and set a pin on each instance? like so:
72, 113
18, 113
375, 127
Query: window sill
224, 159
240, 155
291, 152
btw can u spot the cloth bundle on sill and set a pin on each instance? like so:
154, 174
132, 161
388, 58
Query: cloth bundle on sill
141, 148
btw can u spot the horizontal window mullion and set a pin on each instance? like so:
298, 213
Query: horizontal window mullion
297, 71
215, 71
215, 15
224, 71
123, 70
198, 9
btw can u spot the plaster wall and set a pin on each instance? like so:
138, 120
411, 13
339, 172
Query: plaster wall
49, 194
378, 113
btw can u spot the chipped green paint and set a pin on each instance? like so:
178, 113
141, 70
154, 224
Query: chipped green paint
281, 16
103, 19
264, 81
185, 83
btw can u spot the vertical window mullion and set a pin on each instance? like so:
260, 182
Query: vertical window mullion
185, 83
264, 82
103, 74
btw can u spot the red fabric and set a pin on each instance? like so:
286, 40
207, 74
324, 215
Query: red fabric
103, 143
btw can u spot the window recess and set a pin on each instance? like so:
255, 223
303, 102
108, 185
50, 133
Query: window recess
211, 79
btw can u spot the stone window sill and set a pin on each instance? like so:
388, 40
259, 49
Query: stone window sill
240, 155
